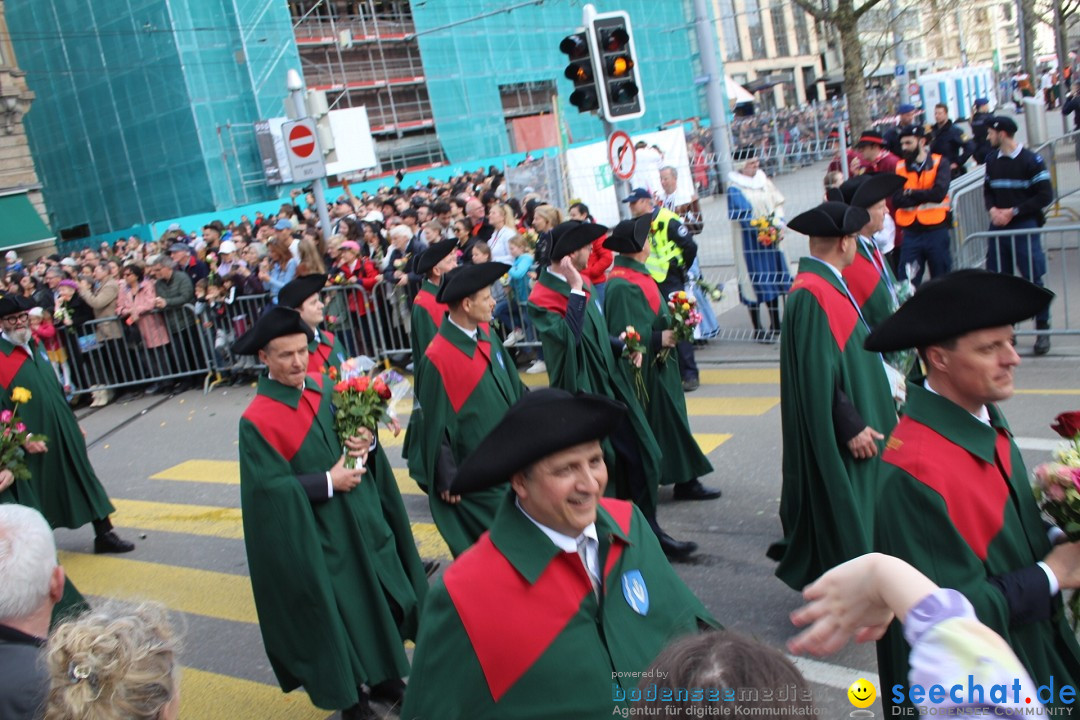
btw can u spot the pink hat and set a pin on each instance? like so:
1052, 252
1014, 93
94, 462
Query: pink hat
350, 245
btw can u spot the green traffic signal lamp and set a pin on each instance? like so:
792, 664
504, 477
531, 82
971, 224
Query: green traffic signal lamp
585, 99
622, 92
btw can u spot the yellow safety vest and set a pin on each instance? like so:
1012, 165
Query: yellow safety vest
663, 250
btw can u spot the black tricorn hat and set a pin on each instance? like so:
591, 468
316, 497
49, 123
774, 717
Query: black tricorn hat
276, 322
956, 304
294, 293
12, 304
865, 191
431, 257
830, 219
541, 423
629, 236
573, 235
461, 282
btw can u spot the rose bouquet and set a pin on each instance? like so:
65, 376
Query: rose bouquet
1056, 486
768, 230
363, 399
633, 344
684, 318
14, 435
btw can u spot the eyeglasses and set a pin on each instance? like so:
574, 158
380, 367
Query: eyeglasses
16, 320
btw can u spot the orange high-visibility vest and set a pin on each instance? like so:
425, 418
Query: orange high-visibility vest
927, 213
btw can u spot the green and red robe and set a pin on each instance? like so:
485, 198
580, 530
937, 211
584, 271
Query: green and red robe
514, 631
970, 523
464, 386
324, 352
872, 283
325, 571
67, 489
830, 389
587, 362
633, 298
427, 317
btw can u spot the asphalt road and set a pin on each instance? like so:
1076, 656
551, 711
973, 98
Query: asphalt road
170, 466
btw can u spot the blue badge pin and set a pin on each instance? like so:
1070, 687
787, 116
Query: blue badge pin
502, 363
635, 592
599, 305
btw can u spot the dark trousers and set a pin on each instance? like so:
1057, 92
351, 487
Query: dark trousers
1021, 254
924, 248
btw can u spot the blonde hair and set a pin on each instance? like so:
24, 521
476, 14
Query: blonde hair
519, 242
311, 260
115, 663
509, 220
550, 213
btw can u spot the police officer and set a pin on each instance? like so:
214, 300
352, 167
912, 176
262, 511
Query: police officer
979, 118
673, 252
907, 113
948, 141
1016, 189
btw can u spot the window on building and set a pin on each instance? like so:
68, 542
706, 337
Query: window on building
732, 46
1006, 8
779, 30
802, 34
756, 28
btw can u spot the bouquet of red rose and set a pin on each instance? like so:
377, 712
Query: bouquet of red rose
363, 399
14, 435
632, 339
684, 318
1056, 486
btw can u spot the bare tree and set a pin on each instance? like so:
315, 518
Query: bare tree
845, 18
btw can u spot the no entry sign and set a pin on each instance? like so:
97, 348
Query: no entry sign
302, 145
621, 155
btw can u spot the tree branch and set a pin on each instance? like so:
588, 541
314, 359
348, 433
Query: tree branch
815, 11
862, 9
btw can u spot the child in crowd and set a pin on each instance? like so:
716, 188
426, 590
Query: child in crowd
41, 325
511, 311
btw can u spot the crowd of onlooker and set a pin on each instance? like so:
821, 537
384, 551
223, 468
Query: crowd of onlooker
135, 310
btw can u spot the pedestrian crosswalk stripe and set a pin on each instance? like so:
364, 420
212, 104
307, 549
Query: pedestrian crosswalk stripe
199, 592
730, 405
429, 542
710, 441
740, 376
209, 696
226, 472
223, 522
406, 485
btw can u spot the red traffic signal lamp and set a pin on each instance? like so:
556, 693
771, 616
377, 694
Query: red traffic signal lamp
581, 71
620, 81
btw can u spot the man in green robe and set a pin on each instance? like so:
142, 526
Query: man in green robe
581, 357
836, 404
558, 609
870, 277
633, 299
465, 383
427, 316
953, 472
335, 603
62, 479
325, 355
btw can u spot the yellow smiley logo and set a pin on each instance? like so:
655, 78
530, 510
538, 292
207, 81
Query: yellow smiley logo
862, 693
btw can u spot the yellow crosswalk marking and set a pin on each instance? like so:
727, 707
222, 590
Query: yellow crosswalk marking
1047, 391
429, 542
535, 381
223, 522
406, 485
200, 592
226, 472
741, 376
710, 441
209, 696
730, 405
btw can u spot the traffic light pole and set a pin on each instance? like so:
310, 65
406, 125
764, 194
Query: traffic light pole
622, 187
297, 93
715, 92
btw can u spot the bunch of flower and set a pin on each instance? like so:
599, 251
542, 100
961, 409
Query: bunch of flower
363, 398
14, 435
1056, 486
634, 350
768, 230
714, 292
684, 318
339, 278
402, 263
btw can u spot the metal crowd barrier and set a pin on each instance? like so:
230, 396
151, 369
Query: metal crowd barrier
1012, 251
107, 353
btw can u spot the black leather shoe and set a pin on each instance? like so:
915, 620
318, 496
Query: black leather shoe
1042, 344
110, 542
694, 490
691, 384
676, 549
431, 567
389, 692
360, 711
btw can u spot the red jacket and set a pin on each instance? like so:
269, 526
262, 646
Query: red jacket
599, 261
363, 273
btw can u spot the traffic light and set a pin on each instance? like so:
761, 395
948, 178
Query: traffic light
581, 72
620, 81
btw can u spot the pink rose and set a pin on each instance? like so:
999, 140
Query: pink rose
20, 428
1076, 477
5, 417
1055, 492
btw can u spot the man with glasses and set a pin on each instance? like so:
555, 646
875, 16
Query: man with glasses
69, 492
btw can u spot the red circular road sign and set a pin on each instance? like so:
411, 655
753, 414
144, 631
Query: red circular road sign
301, 141
621, 155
